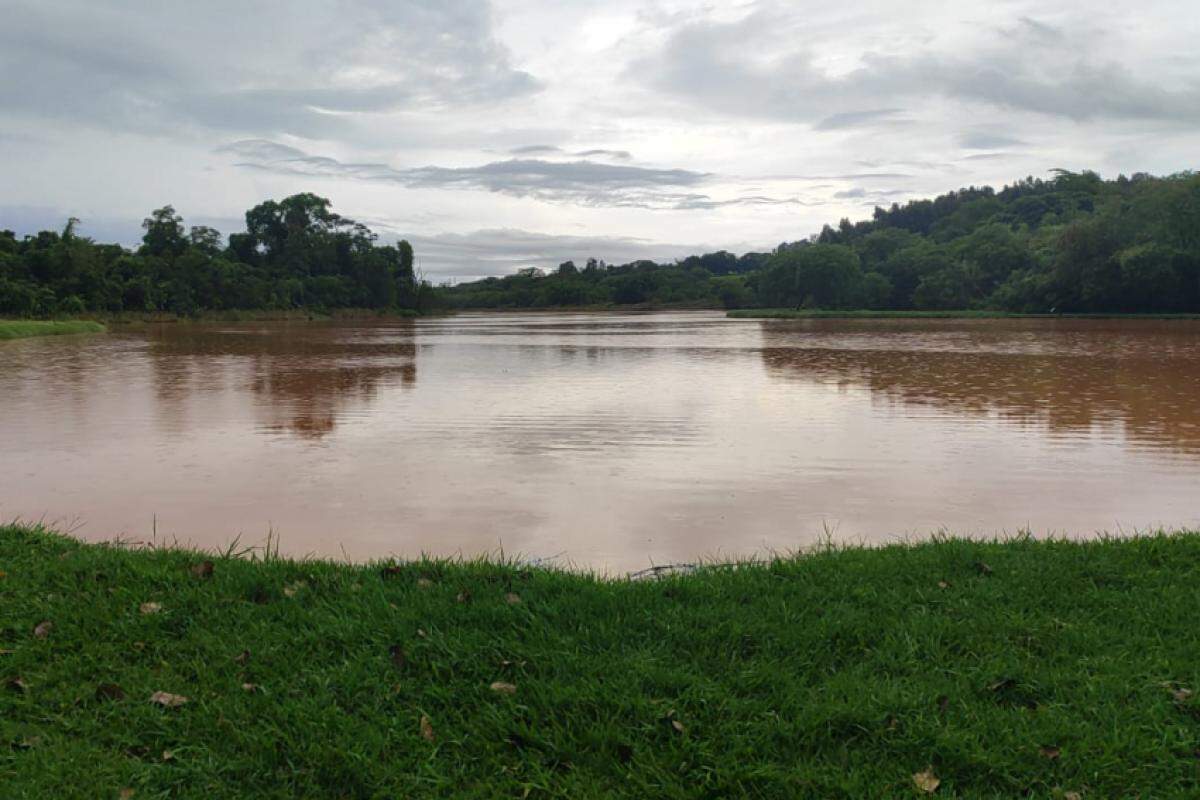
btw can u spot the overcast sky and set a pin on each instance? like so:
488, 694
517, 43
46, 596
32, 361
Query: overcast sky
500, 134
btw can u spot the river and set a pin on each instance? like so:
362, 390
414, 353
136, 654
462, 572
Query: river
602, 441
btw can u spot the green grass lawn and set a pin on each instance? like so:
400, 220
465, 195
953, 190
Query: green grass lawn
1042, 669
23, 328
818, 313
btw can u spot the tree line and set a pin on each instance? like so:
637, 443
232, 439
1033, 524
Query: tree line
294, 253
1073, 243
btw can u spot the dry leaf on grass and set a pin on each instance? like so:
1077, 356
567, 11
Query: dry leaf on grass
926, 781
202, 570
125, 794
500, 687
983, 568
426, 729
168, 755
512, 598
242, 657
1072, 796
424, 583
42, 629
250, 688
463, 596
168, 700
1051, 752
391, 570
18, 684
943, 585
1181, 694
421, 633
150, 608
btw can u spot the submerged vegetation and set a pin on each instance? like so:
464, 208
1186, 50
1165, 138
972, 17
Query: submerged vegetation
957, 668
24, 328
295, 253
1074, 244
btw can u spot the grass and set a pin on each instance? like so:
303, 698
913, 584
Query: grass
24, 328
816, 313
1023, 668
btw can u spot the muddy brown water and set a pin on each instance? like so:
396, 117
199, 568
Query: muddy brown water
602, 441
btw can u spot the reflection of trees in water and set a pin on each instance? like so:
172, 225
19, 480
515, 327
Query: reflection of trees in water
303, 375
1154, 400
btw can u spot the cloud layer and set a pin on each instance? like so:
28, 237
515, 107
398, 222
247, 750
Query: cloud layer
501, 132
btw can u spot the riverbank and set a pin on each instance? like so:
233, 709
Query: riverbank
25, 328
988, 669
809, 313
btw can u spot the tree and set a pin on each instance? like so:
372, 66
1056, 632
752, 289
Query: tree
164, 233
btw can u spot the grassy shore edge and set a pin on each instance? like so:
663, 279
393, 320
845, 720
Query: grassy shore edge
996, 668
24, 328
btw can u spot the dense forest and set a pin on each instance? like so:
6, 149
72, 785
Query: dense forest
295, 253
1074, 243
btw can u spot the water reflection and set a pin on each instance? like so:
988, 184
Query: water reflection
1073, 378
304, 378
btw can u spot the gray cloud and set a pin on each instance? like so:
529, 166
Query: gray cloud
1028, 69
252, 68
498, 252
582, 182
551, 150
988, 140
857, 119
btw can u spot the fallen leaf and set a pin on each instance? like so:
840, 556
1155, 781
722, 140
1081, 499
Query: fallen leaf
1051, 752
242, 657
926, 781
391, 570
109, 691
503, 688
943, 585
1182, 695
291, 591
18, 684
1072, 796
7, 652
424, 583
1002, 684
426, 729
678, 726
251, 688
463, 597
150, 608
168, 755
983, 568
512, 598
168, 700
399, 658
202, 570
421, 633
42, 630
3, 574
139, 646
125, 794
28, 743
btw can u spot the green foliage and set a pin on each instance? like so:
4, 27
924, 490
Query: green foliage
295, 253
1011, 669
25, 328
1071, 244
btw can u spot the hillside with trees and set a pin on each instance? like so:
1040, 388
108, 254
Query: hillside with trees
1072, 244
294, 253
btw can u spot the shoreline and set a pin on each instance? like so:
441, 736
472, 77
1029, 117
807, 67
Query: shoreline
790, 313
28, 328
1001, 667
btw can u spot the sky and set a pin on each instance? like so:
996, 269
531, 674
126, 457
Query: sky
511, 133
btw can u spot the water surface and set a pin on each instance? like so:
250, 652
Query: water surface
606, 441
